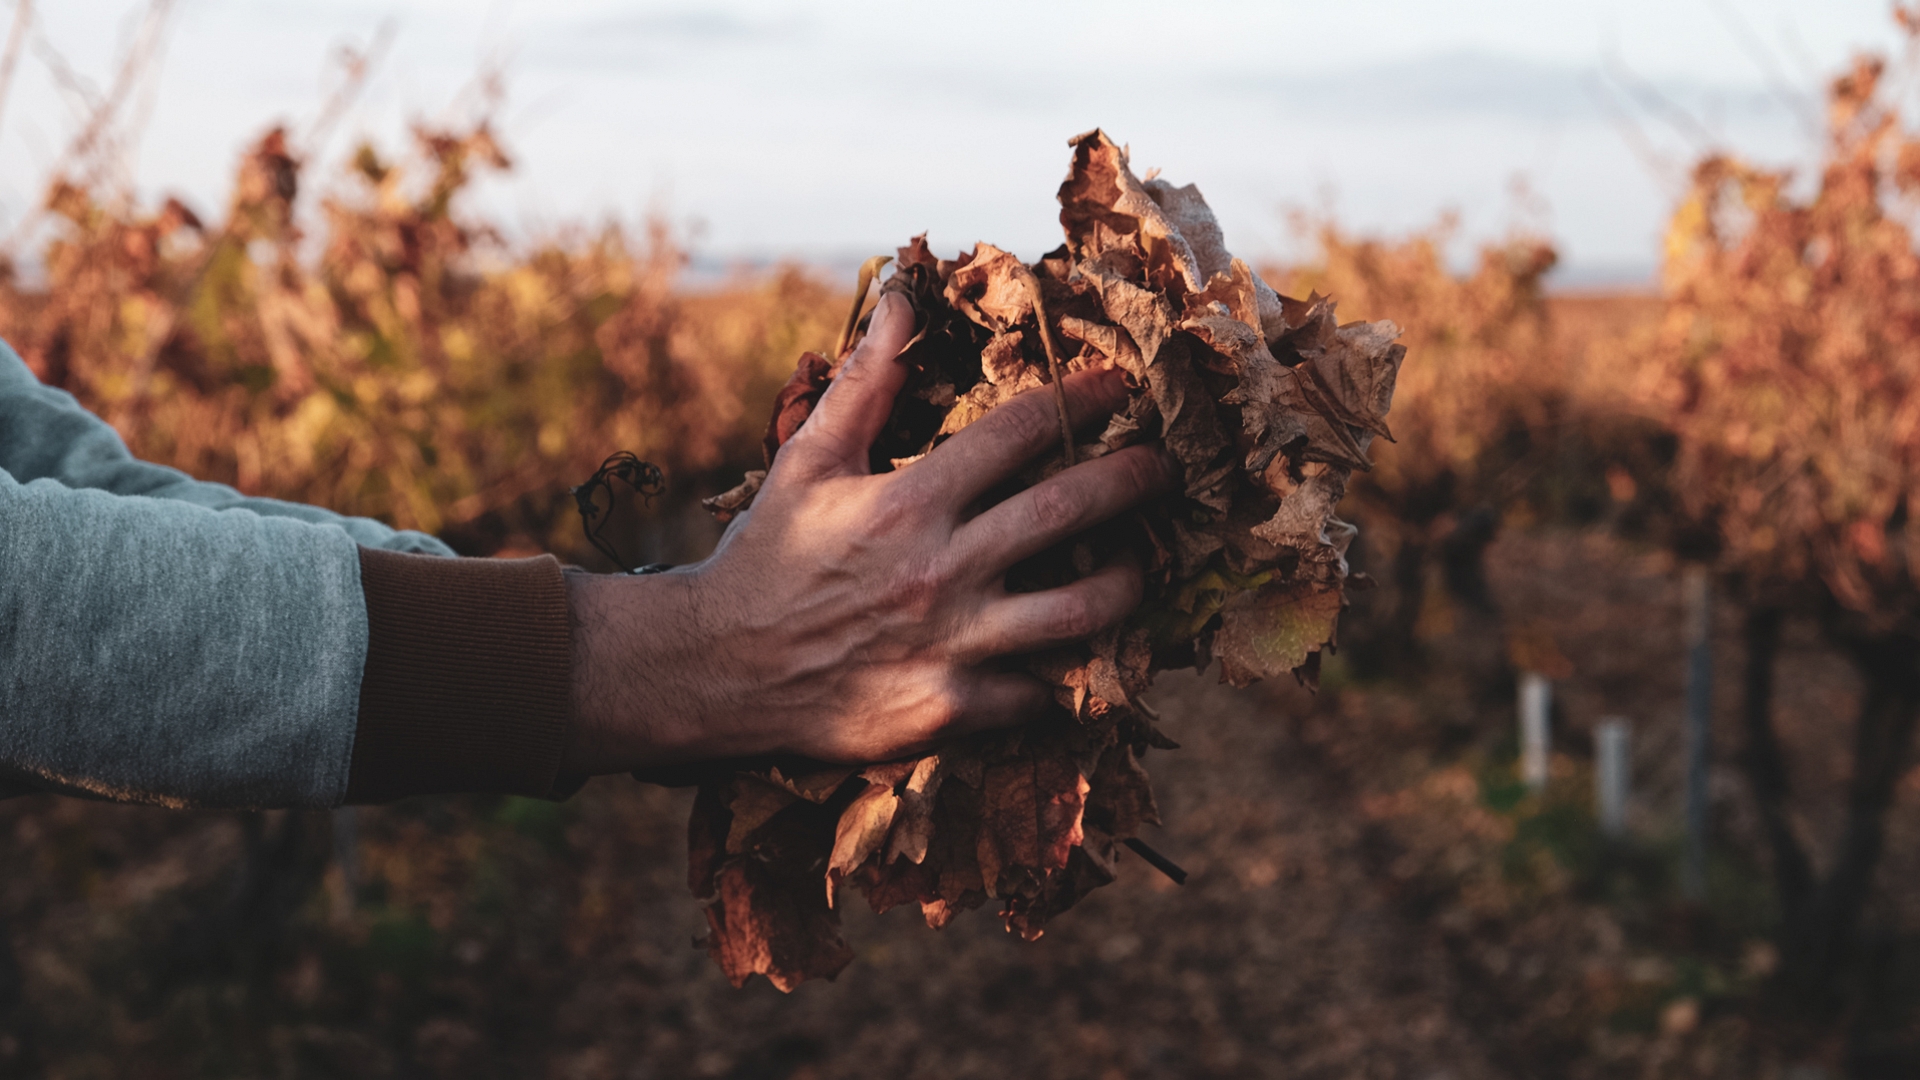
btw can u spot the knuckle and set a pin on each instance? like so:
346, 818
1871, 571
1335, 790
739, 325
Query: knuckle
1072, 617
1019, 422
1057, 506
1142, 470
919, 585
945, 709
899, 508
819, 441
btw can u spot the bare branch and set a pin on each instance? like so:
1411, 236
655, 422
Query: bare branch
357, 66
1805, 110
10, 57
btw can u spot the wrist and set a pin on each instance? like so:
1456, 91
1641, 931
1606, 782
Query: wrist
637, 657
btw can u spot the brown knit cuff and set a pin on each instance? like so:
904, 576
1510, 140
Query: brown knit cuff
467, 680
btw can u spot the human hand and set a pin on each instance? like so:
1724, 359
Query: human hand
850, 616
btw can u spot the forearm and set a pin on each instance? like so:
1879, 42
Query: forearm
157, 652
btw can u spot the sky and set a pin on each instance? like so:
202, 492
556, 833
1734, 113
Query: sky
826, 131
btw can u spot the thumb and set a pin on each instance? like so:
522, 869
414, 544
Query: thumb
857, 404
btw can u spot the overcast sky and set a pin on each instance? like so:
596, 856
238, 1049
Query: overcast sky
826, 130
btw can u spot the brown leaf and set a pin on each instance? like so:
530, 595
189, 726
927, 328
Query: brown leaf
1004, 363
992, 289
1103, 206
795, 401
1120, 797
732, 503
1030, 816
953, 852
1089, 866
759, 925
863, 828
1110, 341
815, 786
913, 822
1356, 376
761, 916
1305, 521
1145, 315
1272, 632
1190, 426
753, 804
892, 885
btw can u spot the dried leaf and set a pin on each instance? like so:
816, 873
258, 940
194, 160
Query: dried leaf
754, 804
863, 828
991, 289
1269, 633
913, 822
732, 503
1031, 817
1122, 799
795, 401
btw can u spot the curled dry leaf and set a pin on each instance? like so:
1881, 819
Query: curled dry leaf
1266, 402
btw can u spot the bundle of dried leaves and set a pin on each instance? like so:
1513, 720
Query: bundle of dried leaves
1267, 403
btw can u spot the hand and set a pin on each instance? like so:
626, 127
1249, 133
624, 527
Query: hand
855, 617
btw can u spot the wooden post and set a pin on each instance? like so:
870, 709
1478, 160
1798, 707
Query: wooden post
1612, 775
1697, 588
1536, 702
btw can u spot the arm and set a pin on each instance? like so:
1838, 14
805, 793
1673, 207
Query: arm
176, 653
169, 641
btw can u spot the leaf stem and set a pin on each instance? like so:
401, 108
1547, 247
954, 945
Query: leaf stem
868, 271
1156, 860
1053, 368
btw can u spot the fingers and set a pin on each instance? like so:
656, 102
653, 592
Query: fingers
1063, 504
1026, 622
965, 701
855, 407
989, 450
999, 699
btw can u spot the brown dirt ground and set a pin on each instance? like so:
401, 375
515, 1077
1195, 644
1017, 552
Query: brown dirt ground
1354, 909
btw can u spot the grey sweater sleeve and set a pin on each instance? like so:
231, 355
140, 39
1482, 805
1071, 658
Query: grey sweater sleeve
164, 640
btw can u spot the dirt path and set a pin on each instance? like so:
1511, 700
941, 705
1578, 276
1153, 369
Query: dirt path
1282, 956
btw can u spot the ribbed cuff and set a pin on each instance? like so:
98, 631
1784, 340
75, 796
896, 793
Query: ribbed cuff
468, 677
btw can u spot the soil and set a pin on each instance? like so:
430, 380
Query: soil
1366, 900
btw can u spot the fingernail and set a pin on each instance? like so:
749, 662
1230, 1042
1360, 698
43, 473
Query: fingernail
892, 306
1170, 463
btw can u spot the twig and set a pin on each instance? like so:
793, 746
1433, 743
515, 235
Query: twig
1663, 170
1156, 860
83, 155
644, 477
868, 271
1654, 101
356, 66
10, 59
133, 66
1796, 104
1053, 368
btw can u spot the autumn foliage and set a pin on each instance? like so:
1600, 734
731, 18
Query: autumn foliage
403, 364
1788, 368
369, 342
